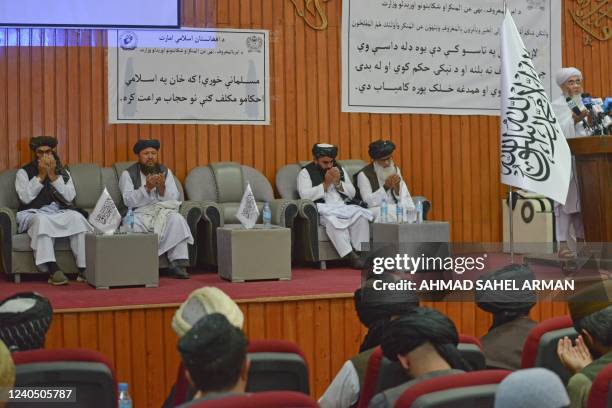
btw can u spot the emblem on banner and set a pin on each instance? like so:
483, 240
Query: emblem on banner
594, 17
128, 40
254, 43
535, 4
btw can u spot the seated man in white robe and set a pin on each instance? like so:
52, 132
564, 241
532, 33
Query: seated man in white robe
46, 211
573, 125
148, 188
382, 180
327, 184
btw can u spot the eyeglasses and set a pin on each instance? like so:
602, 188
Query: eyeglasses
574, 82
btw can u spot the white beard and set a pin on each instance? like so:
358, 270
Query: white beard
383, 173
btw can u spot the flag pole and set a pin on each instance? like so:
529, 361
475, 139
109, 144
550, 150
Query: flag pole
510, 204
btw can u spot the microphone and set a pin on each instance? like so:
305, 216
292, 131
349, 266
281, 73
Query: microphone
587, 101
573, 106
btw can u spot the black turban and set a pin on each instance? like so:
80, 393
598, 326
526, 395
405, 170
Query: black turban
324, 150
24, 321
497, 301
145, 143
39, 141
213, 352
381, 148
376, 307
420, 326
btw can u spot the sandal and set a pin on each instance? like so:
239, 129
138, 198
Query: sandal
566, 253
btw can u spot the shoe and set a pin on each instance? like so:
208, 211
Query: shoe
355, 260
58, 278
178, 272
80, 277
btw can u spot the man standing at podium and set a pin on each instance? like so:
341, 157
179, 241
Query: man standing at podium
149, 188
573, 125
382, 180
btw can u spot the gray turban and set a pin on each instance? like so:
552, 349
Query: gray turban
531, 388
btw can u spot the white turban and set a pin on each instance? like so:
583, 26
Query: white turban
202, 302
566, 73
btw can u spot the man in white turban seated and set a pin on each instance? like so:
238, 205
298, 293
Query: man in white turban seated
572, 125
149, 188
381, 181
46, 210
327, 184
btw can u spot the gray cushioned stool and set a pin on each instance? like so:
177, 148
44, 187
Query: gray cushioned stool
122, 260
258, 253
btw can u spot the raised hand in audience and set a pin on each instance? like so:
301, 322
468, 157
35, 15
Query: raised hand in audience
574, 357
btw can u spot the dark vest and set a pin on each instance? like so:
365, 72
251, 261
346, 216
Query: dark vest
134, 172
317, 175
370, 174
48, 194
360, 362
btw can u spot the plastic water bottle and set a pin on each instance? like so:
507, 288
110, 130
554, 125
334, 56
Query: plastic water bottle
384, 211
267, 215
129, 220
125, 401
399, 213
419, 210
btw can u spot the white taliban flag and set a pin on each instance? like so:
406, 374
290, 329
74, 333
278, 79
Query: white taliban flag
105, 217
534, 153
247, 212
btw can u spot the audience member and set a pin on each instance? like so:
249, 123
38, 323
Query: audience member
201, 302
425, 343
531, 388
24, 321
503, 344
214, 353
7, 372
375, 309
591, 311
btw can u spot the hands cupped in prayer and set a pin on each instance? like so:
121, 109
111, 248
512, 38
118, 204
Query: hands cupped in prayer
574, 357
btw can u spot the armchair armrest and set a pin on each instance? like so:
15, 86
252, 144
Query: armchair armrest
283, 212
192, 212
425, 202
307, 231
8, 228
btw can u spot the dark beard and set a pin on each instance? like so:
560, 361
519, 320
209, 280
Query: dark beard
147, 170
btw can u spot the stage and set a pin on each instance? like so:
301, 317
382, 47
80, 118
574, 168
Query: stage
304, 283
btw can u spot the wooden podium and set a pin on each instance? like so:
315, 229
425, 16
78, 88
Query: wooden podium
594, 175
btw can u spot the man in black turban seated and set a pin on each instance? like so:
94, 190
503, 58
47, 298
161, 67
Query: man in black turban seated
424, 341
375, 309
503, 344
326, 183
149, 188
591, 311
46, 210
214, 353
381, 180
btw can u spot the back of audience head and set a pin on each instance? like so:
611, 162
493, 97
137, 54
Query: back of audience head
531, 388
591, 312
214, 354
376, 307
507, 305
202, 302
7, 369
423, 340
24, 321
